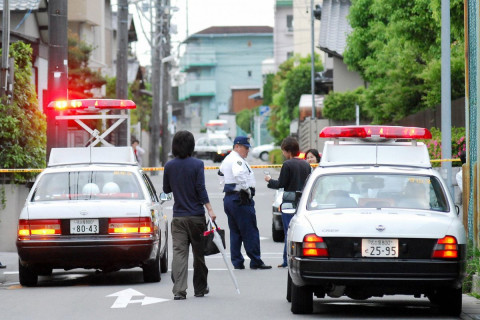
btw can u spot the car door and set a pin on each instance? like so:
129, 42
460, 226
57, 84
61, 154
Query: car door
159, 219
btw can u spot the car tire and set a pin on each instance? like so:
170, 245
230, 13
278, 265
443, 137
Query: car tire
302, 299
151, 271
289, 288
264, 156
277, 235
164, 258
449, 301
27, 276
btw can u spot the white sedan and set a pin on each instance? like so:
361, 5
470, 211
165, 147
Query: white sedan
92, 208
375, 219
262, 151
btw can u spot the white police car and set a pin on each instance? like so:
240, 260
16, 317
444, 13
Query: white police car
375, 219
92, 208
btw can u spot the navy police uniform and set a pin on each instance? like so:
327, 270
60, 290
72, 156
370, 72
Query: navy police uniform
240, 208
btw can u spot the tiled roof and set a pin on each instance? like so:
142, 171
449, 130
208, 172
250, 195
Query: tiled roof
237, 29
22, 5
334, 27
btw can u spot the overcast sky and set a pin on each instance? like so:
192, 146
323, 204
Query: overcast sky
203, 14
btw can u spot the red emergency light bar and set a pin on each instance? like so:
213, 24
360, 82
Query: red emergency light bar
387, 132
81, 104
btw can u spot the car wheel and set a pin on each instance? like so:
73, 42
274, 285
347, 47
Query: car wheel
27, 276
164, 258
264, 156
151, 271
289, 288
449, 301
277, 235
302, 299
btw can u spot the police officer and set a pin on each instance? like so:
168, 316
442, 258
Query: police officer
239, 206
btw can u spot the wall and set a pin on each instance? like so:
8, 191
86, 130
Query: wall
241, 101
344, 79
15, 195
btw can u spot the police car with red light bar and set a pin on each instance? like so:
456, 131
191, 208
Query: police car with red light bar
92, 208
375, 219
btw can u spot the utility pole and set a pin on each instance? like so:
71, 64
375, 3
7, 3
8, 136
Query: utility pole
57, 71
156, 61
446, 108
312, 71
5, 51
165, 83
123, 134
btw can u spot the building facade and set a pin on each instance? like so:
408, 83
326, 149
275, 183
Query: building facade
218, 59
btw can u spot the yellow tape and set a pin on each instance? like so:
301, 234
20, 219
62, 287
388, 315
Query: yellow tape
261, 166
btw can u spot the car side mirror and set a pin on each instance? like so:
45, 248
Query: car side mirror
165, 197
287, 208
457, 208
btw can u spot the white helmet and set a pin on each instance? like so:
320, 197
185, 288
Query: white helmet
111, 187
90, 188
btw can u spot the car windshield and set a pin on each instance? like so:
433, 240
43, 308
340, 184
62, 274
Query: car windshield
87, 185
377, 191
221, 142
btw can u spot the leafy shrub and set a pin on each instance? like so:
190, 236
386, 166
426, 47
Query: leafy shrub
276, 156
435, 145
472, 266
22, 124
340, 106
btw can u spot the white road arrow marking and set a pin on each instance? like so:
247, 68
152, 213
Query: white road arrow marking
124, 297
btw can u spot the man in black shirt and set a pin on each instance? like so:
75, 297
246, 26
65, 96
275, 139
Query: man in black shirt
293, 175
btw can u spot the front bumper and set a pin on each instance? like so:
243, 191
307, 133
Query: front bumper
98, 252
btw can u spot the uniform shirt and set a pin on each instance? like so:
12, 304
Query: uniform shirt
293, 175
236, 170
186, 179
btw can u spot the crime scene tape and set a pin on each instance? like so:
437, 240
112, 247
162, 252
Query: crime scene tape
149, 169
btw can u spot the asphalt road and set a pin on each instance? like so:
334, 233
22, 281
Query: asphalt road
80, 294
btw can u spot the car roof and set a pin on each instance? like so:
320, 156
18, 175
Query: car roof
90, 155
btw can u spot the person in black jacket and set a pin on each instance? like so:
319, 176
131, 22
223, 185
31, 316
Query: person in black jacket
293, 175
185, 177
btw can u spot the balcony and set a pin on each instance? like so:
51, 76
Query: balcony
197, 59
197, 88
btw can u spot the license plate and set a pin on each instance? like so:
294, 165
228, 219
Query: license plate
386, 248
83, 226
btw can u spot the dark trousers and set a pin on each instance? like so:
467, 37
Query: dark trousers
286, 221
242, 222
186, 231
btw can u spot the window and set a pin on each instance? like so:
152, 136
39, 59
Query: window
88, 185
249, 73
377, 191
290, 23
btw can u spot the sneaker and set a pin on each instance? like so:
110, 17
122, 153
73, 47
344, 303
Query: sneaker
179, 297
261, 267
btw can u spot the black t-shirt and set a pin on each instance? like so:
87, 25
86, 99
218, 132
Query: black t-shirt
293, 175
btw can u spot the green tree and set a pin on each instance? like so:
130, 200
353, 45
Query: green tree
289, 83
22, 124
244, 120
81, 79
395, 46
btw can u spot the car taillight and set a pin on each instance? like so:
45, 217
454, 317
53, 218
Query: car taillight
314, 246
446, 248
39, 227
143, 225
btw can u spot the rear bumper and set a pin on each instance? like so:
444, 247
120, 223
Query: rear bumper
87, 253
407, 275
